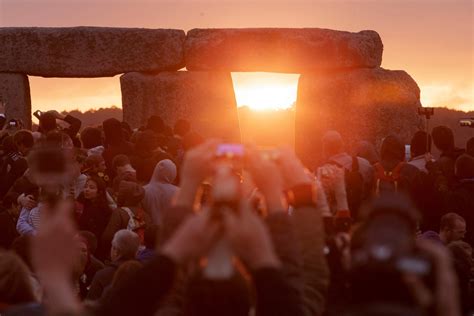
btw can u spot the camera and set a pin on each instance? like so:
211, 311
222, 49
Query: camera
426, 112
37, 114
383, 250
467, 122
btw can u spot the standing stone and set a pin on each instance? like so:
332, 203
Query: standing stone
15, 93
281, 50
206, 99
89, 51
364, 104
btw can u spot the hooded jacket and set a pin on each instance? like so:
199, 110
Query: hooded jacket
160, 190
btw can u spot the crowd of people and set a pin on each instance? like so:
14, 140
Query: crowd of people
108, 220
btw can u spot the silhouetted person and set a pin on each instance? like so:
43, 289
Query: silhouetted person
115, 143
443, 138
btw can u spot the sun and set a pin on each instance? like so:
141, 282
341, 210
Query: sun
262, 91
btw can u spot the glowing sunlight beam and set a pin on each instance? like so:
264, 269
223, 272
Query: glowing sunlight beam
265, 91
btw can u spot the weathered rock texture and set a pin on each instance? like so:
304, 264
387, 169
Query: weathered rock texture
15, 93
281, 50
365, 104
89, 51
206, 99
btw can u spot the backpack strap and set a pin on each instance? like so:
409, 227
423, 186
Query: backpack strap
396, 171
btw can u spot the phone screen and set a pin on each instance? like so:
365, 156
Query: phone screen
230, 150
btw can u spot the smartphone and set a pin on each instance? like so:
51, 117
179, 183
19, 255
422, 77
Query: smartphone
467, 122
230, 151
37, 114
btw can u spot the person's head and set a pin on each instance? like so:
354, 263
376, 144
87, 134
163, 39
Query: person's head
129, 193
464, 167
23, 140
15, 283
112, 131
59, 139
452, 227
181, 127
47, 122
94, 164
145, 142
94, 188
470, 147
332, 144
124, 245
165, 172
420, 144
90, 239
126, 271
461, 246
8, 144
367, 151
392, 149
120, 163
443, 138
151, 235
78, 162
84, 256
156, 124
91, 137
191, 140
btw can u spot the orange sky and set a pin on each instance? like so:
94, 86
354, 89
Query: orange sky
431, 39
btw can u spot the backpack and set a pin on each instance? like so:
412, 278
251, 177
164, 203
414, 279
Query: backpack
355, 187
387, 181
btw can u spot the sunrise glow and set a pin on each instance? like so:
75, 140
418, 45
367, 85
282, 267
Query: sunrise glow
262, 91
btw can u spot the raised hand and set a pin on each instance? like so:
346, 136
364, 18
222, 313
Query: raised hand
55, 256
267, 177
193, 239
249, 238
197, 165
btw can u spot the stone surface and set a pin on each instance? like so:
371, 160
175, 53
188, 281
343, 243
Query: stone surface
281, 50
15, 93
365, 104
89, 51
206, 99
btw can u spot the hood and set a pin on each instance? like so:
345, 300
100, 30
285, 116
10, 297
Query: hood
165, 172
392, 152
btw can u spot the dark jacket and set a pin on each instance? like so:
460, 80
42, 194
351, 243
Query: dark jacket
92, 267
8, 231
118, 220
94, 216
103, 279
461, 200
143, 293
23, 185
14, 166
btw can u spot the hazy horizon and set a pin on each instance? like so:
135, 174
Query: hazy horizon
430, 39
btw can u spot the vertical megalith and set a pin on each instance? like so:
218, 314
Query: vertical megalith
362, 104
15, 93
206, 99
